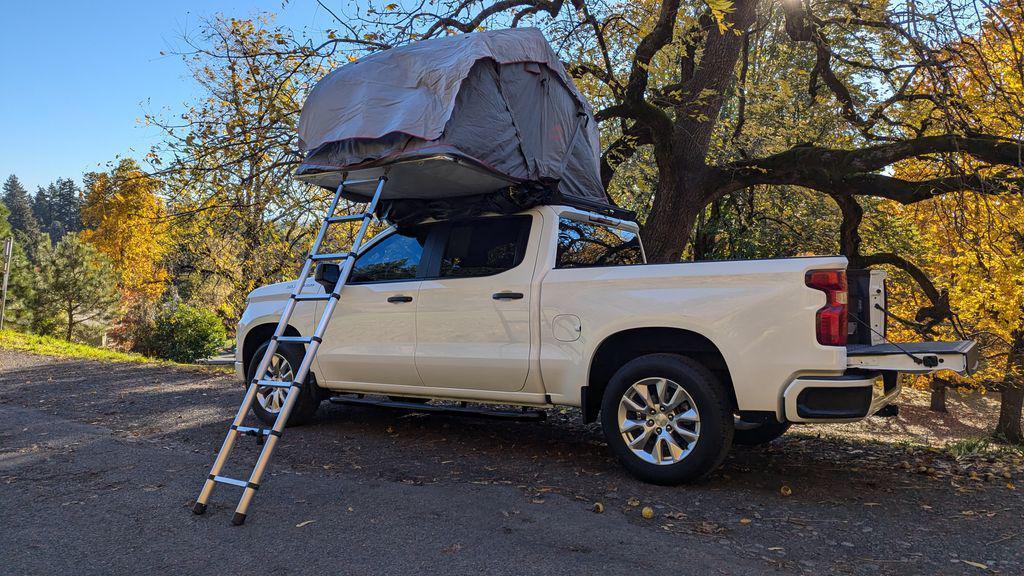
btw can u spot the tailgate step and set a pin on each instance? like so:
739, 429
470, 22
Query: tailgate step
915, 357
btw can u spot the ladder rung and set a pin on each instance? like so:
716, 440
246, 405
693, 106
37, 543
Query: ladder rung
348, 218
274, 383
298, 339
309, 298
252, 430
232, 481
329, 256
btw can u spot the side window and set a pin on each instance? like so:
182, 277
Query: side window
396, 257
582, 244
485, 247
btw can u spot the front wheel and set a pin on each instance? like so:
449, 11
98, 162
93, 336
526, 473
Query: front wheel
667, 419
269, 400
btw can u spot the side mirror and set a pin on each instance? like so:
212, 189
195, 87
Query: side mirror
327, 275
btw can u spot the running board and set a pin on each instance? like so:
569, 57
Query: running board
462, 410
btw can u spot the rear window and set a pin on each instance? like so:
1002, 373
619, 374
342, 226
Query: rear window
584, 244
484, 247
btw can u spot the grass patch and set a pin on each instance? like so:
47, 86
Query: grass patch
48, 346
982, 447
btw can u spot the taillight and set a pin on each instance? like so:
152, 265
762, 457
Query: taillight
831, 320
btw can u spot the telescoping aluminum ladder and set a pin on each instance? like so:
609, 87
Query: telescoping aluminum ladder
273, 434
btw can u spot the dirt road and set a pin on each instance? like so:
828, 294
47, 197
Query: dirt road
99, 464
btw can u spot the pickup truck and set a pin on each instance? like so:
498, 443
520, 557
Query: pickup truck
556, 306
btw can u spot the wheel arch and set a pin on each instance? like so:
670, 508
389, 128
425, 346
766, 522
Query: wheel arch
256, 336
621, 347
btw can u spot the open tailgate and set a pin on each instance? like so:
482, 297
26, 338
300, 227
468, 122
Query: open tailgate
915, 357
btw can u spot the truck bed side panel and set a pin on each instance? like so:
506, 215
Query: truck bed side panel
758, 313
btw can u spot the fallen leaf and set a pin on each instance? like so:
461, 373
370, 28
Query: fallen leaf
647, 512
975, 564
598, 507
786, 491
707, 527
301, 524
745, 521
633, 501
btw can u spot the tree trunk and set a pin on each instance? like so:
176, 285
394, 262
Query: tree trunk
1010, 407
938, 399
71, 324
670, 223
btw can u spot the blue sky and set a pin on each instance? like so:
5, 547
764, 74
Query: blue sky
76, 77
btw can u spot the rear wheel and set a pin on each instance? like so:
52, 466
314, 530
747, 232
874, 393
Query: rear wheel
269, 400
667, 419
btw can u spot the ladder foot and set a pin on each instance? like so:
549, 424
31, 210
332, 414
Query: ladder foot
199, 509
239, 519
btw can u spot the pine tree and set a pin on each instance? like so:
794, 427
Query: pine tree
21, 283
78, 286
19, 203
58, 208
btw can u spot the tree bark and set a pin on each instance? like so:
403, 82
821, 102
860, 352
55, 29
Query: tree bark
1012, 403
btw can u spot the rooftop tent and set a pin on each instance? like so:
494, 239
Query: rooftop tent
487, 121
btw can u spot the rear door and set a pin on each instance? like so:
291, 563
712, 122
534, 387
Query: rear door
473, 316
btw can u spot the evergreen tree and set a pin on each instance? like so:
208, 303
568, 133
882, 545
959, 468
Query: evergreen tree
21, 283
58, 208
19, 203
78, 289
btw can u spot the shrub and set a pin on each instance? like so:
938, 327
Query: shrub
184, 334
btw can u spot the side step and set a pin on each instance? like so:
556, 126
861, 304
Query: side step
524, 415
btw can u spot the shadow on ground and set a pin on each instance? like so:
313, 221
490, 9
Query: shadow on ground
125, 447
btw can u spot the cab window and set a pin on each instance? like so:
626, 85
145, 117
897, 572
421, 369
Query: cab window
585, 244
484, 247
394, 258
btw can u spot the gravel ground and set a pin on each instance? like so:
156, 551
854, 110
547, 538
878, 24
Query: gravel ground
99, 464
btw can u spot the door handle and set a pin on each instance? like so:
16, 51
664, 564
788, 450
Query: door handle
507, 296
398, 299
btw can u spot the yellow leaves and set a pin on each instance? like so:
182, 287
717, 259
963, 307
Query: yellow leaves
720, 9
124, 219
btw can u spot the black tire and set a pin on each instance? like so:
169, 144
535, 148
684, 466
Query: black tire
709, 399
761, 434
309, 395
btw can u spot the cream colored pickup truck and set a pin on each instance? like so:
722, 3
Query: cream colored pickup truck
556, 306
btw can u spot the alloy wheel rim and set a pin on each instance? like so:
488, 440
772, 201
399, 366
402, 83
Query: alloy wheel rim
271, 398
658, 421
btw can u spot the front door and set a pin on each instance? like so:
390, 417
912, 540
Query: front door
372, 336
473, 316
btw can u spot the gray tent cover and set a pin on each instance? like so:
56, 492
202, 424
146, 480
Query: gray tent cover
487, 121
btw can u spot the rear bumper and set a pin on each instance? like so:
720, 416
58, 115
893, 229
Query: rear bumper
847, 398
